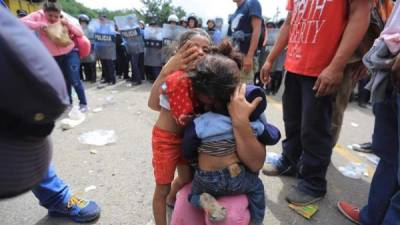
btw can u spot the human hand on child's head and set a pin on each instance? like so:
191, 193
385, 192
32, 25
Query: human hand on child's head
239, 108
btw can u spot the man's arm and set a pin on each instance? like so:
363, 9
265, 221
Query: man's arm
357, 26
255, 37
280, 44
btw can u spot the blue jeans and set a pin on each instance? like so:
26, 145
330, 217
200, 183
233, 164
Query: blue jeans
383, 206
222, 183
52, 192
398, 128
137, 75
70, 66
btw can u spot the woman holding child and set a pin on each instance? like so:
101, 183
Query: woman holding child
182, 97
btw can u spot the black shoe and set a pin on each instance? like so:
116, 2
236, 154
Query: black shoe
362, 105
365, 147
279, 168
137, 83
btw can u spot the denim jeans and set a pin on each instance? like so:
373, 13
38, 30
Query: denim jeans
137, 75
308, 144
398, 128
383, 206
52, 192
222, 183
70, 66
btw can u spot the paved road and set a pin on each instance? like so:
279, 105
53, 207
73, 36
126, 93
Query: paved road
122, 173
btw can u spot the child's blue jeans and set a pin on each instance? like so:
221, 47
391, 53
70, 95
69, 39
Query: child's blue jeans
223, 182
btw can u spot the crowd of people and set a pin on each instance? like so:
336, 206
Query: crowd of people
210, 93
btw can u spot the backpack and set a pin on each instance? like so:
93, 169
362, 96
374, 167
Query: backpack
379, 14
32, 88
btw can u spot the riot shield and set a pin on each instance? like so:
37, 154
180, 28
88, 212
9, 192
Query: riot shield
129, 28
153, 41
219, 22
170, 34
104, 39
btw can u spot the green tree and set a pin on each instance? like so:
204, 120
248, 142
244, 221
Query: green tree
75, 8
180, 12
158, 11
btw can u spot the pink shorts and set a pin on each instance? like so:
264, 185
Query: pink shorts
185, 213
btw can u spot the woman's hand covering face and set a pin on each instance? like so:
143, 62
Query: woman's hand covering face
185, 58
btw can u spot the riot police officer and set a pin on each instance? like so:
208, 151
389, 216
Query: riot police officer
183, 22
88, 64
105, 48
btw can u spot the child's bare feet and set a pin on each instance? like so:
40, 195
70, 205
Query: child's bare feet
213, 209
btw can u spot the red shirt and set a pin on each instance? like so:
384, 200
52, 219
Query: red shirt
316, 30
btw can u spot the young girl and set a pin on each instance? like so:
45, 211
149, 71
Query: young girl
219, 169
168, 130
67, 57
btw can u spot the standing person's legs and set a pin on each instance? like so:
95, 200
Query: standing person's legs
141, 64
52, 191
393, 213
112, 72
385, 141
73, 62
81, 69
166, 154
137, 76
292, 118
292, 104
55, 195
125, 67
93, 69
155, 72
104, 71
383, 187
363, 94
109, 71
62, 63
90, 71
316, 142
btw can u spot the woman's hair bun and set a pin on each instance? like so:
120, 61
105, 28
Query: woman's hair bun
227, 49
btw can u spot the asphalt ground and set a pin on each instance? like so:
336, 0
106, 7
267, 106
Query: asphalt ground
123, 177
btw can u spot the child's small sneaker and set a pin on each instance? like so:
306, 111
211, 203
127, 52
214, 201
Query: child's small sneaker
213, 209
79, 210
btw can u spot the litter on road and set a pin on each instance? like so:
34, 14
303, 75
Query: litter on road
307, 211
98, 137
354, 170
90, 188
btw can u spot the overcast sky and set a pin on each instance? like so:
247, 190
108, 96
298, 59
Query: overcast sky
203, 8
